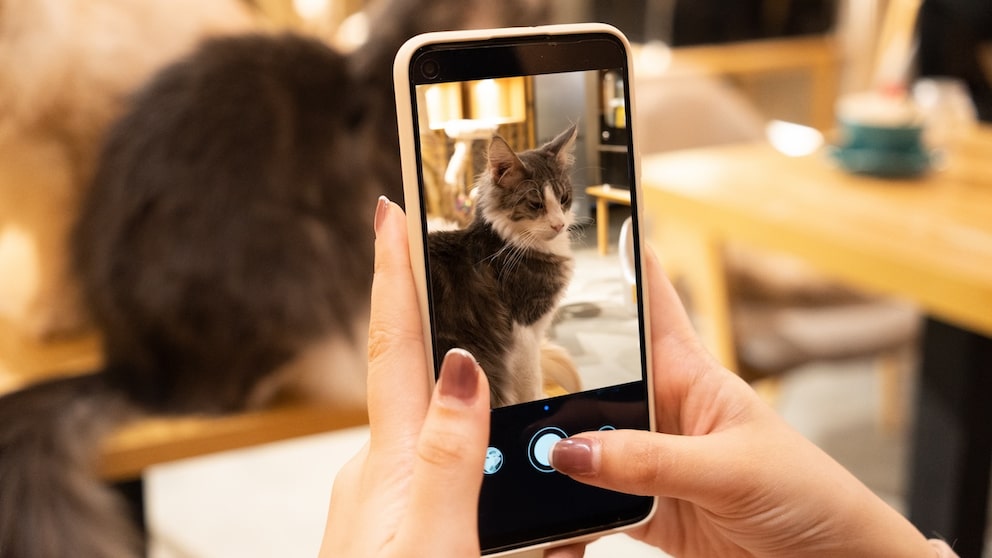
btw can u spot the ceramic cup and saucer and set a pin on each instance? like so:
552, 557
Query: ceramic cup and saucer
881, 134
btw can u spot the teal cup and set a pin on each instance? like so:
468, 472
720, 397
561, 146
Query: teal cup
859, 135
887, 151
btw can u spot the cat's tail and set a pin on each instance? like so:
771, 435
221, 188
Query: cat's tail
558, 370
52, 504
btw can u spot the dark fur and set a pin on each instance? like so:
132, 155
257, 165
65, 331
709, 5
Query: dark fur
228, 228
49, 502
236, 222
481, 285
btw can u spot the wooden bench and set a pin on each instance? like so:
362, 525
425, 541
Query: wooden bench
129, 451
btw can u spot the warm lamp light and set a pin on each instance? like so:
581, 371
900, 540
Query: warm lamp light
444, 104
500, 101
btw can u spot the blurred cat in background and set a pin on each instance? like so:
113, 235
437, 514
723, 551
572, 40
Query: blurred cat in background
224, 250
66, 67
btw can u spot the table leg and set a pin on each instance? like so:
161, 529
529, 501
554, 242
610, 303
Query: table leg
696, 256
952, 438
602, 225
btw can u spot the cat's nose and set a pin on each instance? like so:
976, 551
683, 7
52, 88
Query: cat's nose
558, 227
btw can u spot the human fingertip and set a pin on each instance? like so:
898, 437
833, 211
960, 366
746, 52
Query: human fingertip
576, 456
459, 376
381, 209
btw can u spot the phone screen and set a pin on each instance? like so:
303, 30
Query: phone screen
512, 133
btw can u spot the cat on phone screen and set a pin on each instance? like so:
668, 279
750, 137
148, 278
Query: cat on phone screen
496, 283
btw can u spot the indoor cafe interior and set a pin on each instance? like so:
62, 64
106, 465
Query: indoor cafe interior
816, 179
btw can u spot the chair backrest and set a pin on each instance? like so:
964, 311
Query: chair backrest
685, 111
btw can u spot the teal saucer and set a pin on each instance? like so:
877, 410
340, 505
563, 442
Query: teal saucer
883, 163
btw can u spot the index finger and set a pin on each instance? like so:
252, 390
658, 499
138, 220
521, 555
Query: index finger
398, 385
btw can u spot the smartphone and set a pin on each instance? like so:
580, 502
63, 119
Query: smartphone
503, 132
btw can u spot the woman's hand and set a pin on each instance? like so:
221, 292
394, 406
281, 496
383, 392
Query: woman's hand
413, 490
732, 478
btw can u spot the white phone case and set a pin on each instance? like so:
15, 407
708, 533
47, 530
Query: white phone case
408, 143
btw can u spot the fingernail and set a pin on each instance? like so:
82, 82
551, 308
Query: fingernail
575, 456
459, 376
380, 212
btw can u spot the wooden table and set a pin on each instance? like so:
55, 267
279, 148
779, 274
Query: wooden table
605, 195
928, 240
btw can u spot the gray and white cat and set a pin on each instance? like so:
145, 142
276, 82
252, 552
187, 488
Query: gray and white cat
497, 283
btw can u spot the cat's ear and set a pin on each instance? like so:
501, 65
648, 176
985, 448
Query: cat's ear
563, 146
504, 164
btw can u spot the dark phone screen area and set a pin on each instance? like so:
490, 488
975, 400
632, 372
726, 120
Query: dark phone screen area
510, 57
525, 502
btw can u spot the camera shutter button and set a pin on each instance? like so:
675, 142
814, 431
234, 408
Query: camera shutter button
539, 450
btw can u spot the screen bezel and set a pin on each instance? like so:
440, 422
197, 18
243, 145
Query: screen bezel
488, 54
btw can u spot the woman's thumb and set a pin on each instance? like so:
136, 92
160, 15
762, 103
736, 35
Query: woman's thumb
452, 444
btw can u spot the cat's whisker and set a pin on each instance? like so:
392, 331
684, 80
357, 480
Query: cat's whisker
526, 242
516, 255
497, 254
581, 222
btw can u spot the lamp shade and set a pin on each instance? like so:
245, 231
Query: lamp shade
500, 100
444, 104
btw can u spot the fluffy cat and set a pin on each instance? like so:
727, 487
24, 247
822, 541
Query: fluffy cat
224, 247
497, 283
66, 67
213, 258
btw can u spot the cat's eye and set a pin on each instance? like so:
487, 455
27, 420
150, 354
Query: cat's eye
535, 205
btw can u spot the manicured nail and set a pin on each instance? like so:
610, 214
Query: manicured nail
380, 212
459, 375
575, 456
